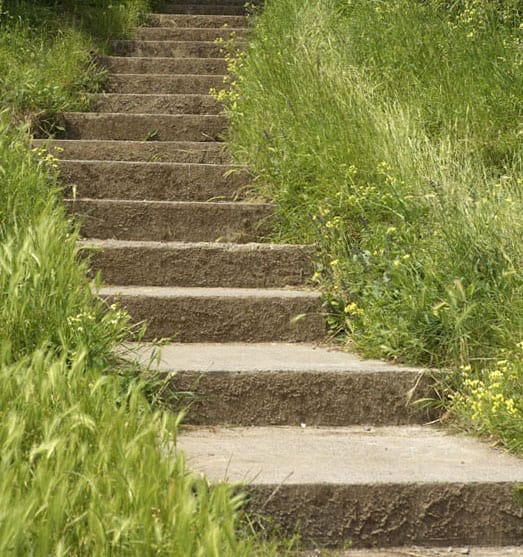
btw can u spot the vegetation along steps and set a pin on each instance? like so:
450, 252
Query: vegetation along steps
328, 442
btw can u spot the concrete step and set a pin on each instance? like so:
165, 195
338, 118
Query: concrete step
188, 33
201, 21
204, 9
156, 104
200, 264
166, 49
164, 84
158, 65
222, 314
372, 487
172, 221
287, 384
200, 152
142, 127
160, 181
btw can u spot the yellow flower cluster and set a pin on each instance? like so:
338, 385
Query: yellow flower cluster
353, 309
46, 157
490, 397
235, 61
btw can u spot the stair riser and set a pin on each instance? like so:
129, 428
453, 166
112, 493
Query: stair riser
153, 181
171, 222
149, 151
202, 21
197, 319
388, 515
141, 127
187, 34
198, 66
164, 84
294, 398
157, 104
203, 267
174, 49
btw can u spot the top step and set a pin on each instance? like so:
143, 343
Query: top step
205, 9
201, 21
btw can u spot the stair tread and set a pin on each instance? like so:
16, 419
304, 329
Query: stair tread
187, 204
206, 292
262, 357
220, 167
188, 145
229, 246
149, 95
161, 58
356, 455
109, 115
196, 28
166, 77
199, 21
163, 64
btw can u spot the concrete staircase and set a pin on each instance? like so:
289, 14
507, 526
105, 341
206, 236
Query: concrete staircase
327, 441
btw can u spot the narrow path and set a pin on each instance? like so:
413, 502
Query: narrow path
334, 448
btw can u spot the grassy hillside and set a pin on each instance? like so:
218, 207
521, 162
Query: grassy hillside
85, 463
45, 46
390, 134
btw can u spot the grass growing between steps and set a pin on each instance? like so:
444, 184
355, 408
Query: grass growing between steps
390, 134
85, 467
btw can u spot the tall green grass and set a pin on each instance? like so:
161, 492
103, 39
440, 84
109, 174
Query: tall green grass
88, 464
87, 467
46, 47
389, 133
45, 296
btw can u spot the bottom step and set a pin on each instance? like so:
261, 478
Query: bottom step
372, 487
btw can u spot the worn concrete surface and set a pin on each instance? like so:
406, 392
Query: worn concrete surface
199, 152
204, 9
288, 384
133, 103
159, 65
168, 84
223, 314
161, 181
172, 220
201, 263
142, 127
372, 487
277, 356
202, 21
392, 514
346, 456
192, 49
188, 33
